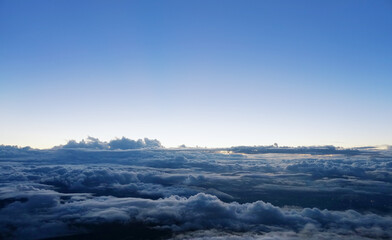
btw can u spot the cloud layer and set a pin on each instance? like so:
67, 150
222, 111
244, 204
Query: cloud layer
194, 193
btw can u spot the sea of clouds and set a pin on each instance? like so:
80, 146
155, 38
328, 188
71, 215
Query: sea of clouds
126, 189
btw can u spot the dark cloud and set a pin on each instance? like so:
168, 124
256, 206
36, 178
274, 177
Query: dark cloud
193, 193
60, 212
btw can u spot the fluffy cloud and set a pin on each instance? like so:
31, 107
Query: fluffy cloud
59, 212
122, 143
125, 143
194, 193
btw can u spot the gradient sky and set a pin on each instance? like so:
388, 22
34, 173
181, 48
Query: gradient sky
207, 73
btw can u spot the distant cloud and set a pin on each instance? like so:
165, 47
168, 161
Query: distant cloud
293, 150
122, 143
90, 142
125, 143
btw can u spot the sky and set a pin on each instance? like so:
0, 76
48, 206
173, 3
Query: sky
206, 73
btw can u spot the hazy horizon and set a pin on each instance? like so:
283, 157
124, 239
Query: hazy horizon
198, 145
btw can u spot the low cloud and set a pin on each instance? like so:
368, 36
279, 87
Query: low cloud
193, 193
60, 212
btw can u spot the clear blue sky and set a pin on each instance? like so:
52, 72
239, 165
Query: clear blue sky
207, 73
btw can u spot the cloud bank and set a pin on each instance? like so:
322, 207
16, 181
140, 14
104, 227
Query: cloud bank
89, 187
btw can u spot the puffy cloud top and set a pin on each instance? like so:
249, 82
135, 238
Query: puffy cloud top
122, 143
125, 143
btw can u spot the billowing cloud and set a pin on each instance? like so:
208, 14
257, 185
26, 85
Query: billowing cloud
179, 214
125, 143
193, 193
122, 143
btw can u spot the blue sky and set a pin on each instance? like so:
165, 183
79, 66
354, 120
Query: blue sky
207, 73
